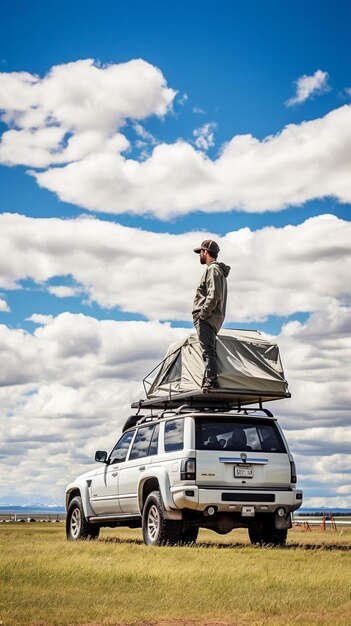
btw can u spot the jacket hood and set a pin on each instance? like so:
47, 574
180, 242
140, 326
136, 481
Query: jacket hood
225, 268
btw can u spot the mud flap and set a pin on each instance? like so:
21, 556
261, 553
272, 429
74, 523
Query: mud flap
282, 522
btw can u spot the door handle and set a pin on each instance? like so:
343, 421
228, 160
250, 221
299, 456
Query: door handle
141, 468
114, 474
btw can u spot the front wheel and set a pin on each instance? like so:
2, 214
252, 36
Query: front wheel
157, 530
268, 536
77, 526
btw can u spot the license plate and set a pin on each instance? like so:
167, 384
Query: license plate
243, 472
248, 511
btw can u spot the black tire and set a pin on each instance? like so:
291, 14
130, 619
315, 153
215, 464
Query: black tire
77, 526
189, 535
157, 530
268, 536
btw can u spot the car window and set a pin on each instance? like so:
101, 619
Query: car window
120, 451
174, 435
154, 441
142, 441
246, 435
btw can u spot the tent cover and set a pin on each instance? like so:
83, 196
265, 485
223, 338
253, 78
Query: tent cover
249, 368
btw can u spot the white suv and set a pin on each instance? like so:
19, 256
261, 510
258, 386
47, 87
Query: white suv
177, 471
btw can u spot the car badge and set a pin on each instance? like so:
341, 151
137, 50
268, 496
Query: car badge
243, 457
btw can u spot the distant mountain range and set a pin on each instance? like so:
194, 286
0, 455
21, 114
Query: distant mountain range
31, 508
321, 509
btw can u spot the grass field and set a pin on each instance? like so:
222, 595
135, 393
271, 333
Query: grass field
45, 580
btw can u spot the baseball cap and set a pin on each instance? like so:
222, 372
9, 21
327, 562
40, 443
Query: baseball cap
211, 246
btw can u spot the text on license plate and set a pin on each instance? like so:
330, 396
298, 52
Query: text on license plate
243, 472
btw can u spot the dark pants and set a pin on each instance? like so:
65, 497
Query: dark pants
207, 339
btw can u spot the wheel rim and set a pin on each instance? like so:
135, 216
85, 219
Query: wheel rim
76, 520
153, 522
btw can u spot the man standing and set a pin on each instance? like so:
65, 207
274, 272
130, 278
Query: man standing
209, 307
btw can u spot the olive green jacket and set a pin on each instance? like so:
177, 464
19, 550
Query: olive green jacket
211, 295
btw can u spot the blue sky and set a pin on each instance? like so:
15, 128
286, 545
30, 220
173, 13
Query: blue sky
219, 149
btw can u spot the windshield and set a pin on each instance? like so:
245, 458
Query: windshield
232, 435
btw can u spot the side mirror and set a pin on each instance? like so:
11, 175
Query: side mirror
101, 456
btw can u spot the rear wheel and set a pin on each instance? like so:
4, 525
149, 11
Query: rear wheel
268, 536
77, 526
157, 530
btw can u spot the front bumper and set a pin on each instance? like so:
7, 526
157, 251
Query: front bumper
233, 500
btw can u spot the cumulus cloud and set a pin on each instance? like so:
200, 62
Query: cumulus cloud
309, 86
64, 291
4, 307
38, 318
66, 391
304, 162
204, 136
73, 118
76, 110
275, 271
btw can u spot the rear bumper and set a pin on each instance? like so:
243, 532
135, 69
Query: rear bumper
233, 500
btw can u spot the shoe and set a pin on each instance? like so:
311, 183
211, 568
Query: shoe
211, 384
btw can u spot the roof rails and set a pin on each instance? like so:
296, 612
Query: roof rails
138, 420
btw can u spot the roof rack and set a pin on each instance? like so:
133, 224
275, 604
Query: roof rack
225, 399
138, 420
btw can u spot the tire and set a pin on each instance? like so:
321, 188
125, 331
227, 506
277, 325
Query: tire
77, 526
157, 530
189, 535
268, 536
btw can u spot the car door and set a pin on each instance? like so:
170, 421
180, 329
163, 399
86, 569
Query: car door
104, 488
144, 446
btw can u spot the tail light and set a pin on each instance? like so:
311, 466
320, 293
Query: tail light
188, 469
293, 472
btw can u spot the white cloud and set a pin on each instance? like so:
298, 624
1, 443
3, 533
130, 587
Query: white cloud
41, 319
183, 99
4, 307
275, 271
63, 291
198, 110
204, 136
66, 391
76, 110
142, 132
73, 118
304, 162
309, 86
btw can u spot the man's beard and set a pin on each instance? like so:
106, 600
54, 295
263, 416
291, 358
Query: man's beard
202, 260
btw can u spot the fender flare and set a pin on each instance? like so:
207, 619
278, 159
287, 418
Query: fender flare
161, 475
81, 489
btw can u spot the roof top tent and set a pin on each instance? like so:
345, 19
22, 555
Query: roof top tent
249, 366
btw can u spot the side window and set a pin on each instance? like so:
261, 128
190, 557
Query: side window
271, 440
142, 442
120, 451
174, 435
154, 441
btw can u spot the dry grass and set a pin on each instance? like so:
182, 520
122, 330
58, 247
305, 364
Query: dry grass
117, 580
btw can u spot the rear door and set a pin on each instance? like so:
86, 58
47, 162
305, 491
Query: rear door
240, 453
144, 447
